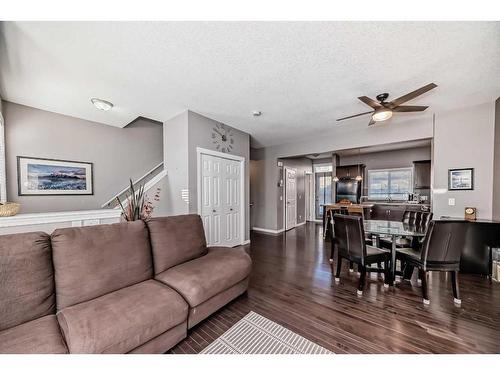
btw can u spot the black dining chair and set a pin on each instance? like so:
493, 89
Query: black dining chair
329, 226
441, 251
351, 245
414, 219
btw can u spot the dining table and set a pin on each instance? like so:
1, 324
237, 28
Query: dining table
392, 230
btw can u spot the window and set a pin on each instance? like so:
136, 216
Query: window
392, 183
318, 168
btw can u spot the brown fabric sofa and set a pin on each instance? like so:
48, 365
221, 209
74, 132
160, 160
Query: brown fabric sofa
28, 322
121, 288
206, 278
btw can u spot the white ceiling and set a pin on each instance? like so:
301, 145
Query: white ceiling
301, 75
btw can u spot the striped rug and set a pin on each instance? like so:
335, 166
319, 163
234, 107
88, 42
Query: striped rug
255, 334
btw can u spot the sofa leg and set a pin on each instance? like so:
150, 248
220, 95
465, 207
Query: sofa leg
423, 276
456, 292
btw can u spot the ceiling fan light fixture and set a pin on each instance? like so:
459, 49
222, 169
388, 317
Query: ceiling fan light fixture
382, 114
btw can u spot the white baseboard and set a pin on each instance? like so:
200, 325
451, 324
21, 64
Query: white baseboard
270, 231
246, 242
299, 224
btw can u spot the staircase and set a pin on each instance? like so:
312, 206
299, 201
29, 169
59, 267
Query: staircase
149, 179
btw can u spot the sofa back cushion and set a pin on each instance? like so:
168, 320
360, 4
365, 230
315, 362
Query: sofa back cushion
95, 260
175, 240
26, 278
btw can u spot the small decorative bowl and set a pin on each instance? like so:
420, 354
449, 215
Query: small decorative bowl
9, 209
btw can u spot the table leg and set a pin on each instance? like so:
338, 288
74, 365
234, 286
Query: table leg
393, 261
324, 222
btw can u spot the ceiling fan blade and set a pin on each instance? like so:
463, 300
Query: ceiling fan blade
371, 122
410, 108
370, 102
411, 95
359, 114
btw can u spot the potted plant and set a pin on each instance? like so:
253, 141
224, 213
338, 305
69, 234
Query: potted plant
137, 205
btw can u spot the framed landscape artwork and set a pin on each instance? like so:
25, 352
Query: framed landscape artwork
461, 179
37, 176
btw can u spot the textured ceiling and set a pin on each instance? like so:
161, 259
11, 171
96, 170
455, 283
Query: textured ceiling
301, 75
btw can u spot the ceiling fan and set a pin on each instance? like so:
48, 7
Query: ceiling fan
383, 110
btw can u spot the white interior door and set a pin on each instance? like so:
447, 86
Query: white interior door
291, 199
221, 200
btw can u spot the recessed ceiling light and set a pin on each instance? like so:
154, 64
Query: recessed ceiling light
103, 105
256, 113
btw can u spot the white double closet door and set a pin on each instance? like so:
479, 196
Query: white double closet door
221, 200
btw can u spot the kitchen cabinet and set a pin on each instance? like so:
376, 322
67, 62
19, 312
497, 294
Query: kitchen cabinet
422, 174
350, 171
388, 212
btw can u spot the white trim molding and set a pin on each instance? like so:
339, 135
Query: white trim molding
203, 151
269, 231
299, 224
86, 217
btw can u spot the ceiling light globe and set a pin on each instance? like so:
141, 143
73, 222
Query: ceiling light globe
103, 105
382, 114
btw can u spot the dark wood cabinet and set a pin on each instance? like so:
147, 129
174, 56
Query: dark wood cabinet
388, 212
422, 174
350, 171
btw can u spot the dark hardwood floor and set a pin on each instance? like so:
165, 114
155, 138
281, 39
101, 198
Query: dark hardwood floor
292, 284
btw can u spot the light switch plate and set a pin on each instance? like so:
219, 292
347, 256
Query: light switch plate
451, 201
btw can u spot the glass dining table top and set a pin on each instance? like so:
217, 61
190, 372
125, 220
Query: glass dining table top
392, 228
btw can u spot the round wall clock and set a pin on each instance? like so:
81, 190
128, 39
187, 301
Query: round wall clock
222, 138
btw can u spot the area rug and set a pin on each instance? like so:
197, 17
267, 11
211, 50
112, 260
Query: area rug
255, 334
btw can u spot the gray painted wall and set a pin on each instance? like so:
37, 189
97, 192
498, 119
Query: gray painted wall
464, 138
183, 134
496, 165
117, 153
175, 134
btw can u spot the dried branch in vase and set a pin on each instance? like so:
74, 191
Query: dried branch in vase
137, 205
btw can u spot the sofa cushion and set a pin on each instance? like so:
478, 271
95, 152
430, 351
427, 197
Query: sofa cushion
40, 336
202, 278
175, 240
26, 278
92, 261
121, 321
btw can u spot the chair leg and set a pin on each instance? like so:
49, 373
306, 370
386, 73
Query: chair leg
456, 292
387, 274
362, 280
351, 266
379, 266
423, 276
339, 266
408, 272
332, 252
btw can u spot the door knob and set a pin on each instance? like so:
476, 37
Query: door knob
230, 209
214, 210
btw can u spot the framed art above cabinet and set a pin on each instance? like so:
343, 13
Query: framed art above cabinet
38, 176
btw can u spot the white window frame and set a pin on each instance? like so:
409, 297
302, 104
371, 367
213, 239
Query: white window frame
410, 169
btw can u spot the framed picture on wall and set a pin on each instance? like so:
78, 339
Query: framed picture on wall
461, 179
38, 176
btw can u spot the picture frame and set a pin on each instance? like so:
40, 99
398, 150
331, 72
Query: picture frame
461, 179
50, 177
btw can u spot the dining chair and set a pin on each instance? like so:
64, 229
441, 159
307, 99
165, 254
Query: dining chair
414, 219
441, 251
351, 245
330, 228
